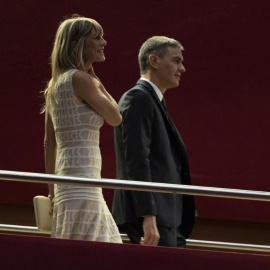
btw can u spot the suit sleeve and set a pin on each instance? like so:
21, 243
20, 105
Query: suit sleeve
138, 114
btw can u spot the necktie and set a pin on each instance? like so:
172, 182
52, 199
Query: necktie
176, 133
163, 102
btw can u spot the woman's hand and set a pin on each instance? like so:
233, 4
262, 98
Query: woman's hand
51, 197
87, 88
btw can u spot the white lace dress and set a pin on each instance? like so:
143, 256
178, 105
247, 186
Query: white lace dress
79, 212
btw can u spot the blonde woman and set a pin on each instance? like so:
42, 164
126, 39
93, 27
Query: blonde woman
77, 104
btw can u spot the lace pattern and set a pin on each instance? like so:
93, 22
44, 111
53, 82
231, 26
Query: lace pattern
79, 212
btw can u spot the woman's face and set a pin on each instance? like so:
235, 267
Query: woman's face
93, 49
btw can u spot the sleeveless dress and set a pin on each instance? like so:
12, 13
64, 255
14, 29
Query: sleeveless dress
80, 212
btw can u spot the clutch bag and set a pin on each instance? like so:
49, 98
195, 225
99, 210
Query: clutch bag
42, 206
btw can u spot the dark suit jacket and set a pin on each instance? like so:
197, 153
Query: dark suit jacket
149, 148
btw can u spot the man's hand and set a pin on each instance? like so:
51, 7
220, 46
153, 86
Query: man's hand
151, 234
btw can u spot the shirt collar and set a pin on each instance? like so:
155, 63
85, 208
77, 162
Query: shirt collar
158, 92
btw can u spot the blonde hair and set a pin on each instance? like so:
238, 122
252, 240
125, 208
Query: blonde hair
67, 51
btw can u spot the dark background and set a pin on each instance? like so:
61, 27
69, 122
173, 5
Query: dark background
221, 107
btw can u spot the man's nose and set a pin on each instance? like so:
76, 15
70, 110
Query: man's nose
182, 68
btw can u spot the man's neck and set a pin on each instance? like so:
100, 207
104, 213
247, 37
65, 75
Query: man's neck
149, 76
158, 92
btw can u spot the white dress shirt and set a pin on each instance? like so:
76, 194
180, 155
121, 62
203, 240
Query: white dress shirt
158, 92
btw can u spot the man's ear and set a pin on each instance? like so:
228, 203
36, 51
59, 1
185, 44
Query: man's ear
153, 61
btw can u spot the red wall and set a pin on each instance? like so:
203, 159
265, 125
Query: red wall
221, 107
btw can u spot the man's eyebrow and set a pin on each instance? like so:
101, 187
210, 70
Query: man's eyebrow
178, 58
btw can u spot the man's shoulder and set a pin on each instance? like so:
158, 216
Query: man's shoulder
136, 97
144, 86
141, 89
136, 93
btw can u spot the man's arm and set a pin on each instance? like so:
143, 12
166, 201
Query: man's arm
138, 115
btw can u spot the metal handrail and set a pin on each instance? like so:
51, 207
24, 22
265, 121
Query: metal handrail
145, 186
190, 242
227, 245
21, 229
136, 185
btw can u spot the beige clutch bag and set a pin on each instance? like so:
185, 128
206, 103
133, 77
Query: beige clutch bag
42, 206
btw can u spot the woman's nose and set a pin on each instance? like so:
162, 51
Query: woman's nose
103, 42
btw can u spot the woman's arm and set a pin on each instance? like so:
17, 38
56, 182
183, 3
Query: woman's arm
99, 99
103, 90
49, 150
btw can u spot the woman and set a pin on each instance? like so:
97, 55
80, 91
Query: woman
77, 105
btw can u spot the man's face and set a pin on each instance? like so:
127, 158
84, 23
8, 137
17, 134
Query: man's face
170, 68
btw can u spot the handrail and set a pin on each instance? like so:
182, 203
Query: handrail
136, 185
191, 243
145, 186
21, 229
227, 245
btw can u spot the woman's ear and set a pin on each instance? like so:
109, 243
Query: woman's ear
153, 61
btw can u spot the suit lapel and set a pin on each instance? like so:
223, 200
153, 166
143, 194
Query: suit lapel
146, 86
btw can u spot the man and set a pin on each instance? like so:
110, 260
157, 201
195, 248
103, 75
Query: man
149, 148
